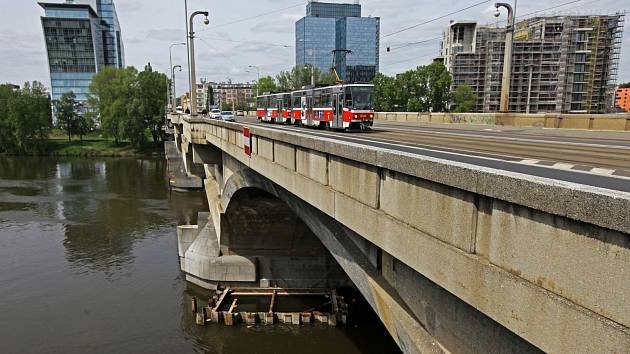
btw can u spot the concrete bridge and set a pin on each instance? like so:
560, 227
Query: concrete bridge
452, 256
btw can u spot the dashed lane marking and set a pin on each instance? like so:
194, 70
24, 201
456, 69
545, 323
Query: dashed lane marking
603, 171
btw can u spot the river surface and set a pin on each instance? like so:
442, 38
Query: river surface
88, 263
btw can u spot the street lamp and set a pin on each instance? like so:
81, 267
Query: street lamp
174, 99
173, 93
193, 78
257, 80
504, 106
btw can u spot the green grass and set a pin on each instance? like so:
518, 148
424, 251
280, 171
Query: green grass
95, 145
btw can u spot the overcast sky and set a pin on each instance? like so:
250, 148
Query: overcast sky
264, 36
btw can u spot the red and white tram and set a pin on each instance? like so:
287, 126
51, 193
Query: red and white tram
336, 107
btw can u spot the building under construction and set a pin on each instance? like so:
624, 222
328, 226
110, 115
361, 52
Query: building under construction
563, 64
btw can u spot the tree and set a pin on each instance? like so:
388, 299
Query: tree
25, 118
464, 100
625, 85
66, 113
439, 84
425, 88
111, 96
300, 76
150, 97
266, 84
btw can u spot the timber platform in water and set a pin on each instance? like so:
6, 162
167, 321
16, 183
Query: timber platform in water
251, 306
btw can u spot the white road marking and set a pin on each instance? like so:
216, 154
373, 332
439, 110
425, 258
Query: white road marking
530, 162
507, 138
563, 166
603, 171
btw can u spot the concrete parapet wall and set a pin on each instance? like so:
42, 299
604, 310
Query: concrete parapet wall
553, 271
616, 122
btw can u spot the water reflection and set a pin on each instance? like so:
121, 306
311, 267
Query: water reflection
104, 205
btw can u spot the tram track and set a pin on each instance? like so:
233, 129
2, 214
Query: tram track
601, 163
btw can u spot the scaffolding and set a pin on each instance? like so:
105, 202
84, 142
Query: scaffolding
561, 64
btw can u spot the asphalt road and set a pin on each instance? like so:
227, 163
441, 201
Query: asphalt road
599, 159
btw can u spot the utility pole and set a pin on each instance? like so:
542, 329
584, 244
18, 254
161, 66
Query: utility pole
334, 67
193, 78
258, 80
174, 103
187, 43
504, 106
173, 93
306, 67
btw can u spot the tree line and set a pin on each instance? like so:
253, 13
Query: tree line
124, 103
294, 79
423, 89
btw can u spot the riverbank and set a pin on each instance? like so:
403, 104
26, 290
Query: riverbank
99, 147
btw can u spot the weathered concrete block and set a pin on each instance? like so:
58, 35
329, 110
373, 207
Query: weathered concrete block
265, 148
560, 325
230, 166
186, 234
357, 180
443, 212
312, 164
284, 154
311, 191
549, 250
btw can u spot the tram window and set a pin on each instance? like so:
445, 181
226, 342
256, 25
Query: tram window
361, 97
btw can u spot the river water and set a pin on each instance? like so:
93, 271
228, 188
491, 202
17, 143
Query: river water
88, 263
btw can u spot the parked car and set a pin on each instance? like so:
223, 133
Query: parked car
240, 113
215, 113
227, 116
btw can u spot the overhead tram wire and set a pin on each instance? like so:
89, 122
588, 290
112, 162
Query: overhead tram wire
436, 18
405, 45
253, 17
502, 21
247, 42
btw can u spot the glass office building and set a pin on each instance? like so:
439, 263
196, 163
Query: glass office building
315, 41
361, 36
324, 9
327, 27
80, 42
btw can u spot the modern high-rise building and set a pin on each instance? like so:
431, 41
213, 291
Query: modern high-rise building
82, 37
328, 27
560, 64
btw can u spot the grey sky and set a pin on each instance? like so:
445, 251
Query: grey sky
225, 49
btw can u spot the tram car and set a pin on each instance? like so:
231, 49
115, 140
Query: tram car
332, 107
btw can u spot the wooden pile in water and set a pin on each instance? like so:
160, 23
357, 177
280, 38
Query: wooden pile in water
223, 307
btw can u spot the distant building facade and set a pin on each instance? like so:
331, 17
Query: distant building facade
237, 95
622, 99
561, 64
328, 27
82, 37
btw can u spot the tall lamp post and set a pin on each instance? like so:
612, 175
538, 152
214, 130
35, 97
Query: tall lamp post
173, 92
257, 80
312, 73
174, 102
504, 106
193, 78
